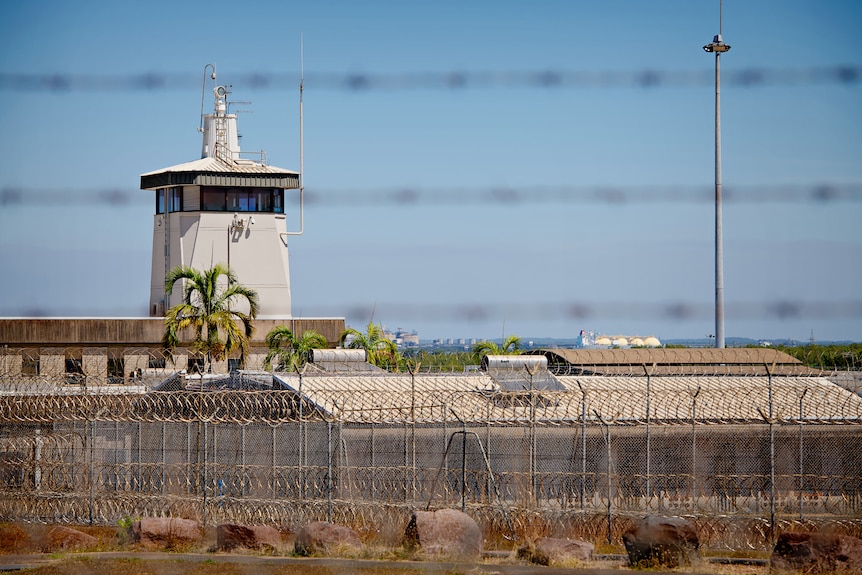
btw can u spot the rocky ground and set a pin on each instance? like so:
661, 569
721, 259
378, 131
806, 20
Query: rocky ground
112, 551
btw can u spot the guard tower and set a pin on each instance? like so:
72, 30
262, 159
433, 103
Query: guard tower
227, 207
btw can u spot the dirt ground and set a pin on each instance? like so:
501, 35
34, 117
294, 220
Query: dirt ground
25, 547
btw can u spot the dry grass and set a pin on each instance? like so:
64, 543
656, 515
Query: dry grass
30, 539
85, 565
89, 566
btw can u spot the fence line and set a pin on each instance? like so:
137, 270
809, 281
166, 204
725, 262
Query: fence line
714, 404
273, 457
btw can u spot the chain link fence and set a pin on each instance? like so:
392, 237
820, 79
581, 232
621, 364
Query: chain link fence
527, 463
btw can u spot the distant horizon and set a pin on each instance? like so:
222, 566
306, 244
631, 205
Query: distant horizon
729, 339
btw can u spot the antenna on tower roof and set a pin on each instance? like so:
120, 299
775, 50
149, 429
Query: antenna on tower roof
203, 91
301, 144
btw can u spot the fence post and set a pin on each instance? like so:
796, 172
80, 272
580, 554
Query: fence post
801, 398
534, 498
302, 437
463, 467
610, 491
648, 478
694, 491
164, 456
274, 476
37, 459
445, 466
192, 481
140, 478
583, 447
489, 482
329, 471
771, 459
414, 369
205, 476
92, 479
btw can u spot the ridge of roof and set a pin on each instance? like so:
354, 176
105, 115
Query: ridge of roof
215, 165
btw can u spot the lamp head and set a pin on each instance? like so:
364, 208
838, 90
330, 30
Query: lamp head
717, 45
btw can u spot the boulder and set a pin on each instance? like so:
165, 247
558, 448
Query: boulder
165, 531
323, 536
68, 539
817, 553
230, 536
445, 532
548, 550
661, 541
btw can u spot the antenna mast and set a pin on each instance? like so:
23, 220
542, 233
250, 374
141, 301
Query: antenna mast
203, 91
301, 144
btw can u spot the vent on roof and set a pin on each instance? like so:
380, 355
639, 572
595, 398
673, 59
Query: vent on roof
521, 373
342, 360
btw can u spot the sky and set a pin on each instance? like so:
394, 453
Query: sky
578, 197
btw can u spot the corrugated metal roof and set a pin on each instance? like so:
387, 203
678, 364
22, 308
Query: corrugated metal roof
390, 397
700, 356
716, 398
215, 165
212, 171
477, 397
690, 369
684, 361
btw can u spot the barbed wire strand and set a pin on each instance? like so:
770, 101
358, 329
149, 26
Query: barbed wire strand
824, 193
466, 312
444, 80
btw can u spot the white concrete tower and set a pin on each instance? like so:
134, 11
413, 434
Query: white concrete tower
224, 207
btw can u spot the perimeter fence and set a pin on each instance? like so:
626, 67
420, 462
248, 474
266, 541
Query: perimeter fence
527, 463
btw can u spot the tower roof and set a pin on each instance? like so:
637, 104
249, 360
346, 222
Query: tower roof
221, 162
212, 171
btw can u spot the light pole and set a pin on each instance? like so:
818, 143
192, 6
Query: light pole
718, 46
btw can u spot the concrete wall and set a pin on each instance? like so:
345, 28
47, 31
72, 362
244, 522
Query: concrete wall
93, 341
129, 332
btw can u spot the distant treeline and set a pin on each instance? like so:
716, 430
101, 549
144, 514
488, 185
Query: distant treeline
845, 357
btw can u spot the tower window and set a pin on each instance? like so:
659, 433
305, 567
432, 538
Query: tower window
169, 199
160, 201
175, 200
269, 200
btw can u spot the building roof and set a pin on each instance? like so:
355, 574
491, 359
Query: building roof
715, 399
682, 361
212, 171
479, 397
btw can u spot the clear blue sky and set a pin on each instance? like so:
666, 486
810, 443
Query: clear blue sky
452, 268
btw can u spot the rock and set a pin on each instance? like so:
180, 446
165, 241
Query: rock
817, 553
69, 539
548, 550
324, 536
446, 532
230, 536
165, 531
661, 541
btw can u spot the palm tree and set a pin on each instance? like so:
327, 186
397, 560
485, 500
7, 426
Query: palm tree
380, 350
289, 351
511, 346
208, 308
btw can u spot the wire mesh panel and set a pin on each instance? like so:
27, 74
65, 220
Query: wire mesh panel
570, 463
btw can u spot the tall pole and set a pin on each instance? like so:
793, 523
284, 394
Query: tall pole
718, 46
